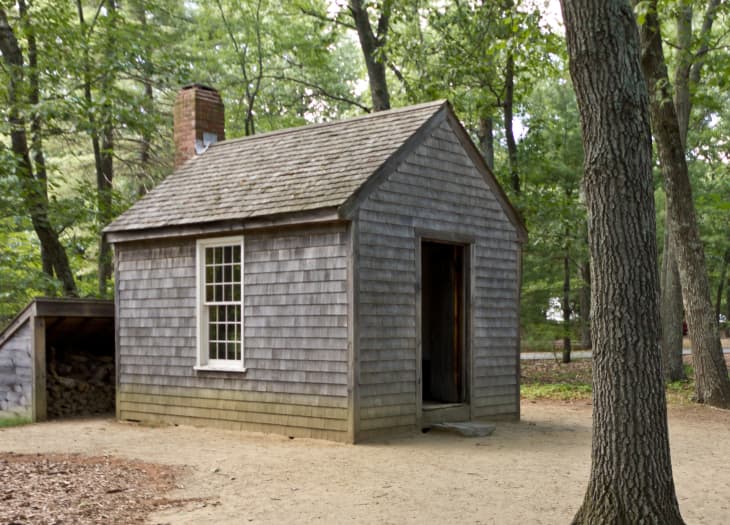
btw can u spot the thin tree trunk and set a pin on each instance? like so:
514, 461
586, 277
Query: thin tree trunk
508, 105
567, 310
585, 306
36, 128
104, 202
672, 314
631, 471
34, 186
486, 140
711, 378
721, 283
372, 45
727, 307
105, 175
672, 310
148, 103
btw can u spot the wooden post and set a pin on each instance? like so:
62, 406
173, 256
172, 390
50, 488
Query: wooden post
419, 336
353, 376
38, 345
117, 319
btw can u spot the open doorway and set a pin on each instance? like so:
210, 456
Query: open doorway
443, 323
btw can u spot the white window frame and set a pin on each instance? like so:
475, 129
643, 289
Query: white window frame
203, 362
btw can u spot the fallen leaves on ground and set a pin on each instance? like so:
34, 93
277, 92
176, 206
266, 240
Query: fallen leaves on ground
72, 488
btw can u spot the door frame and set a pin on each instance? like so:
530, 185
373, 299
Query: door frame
467, 242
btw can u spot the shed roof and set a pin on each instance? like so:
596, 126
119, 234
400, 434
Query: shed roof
293, 170
58, 307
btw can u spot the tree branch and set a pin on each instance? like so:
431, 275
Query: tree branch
325, 18
320, 90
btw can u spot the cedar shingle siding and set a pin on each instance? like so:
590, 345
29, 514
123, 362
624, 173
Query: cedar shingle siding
331, 300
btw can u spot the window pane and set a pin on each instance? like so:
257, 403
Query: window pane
223, 278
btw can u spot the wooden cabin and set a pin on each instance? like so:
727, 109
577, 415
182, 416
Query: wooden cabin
340, 281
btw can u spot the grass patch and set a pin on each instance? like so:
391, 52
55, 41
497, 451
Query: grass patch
556, 391
551, 379
680, 392
6, 422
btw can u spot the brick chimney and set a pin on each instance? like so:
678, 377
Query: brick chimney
199, 120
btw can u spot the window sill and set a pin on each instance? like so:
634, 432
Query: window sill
219, 369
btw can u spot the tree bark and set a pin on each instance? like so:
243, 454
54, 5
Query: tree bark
671, 314
712, 385
372, 44
34, 185
585, 306
631, 472
567, 310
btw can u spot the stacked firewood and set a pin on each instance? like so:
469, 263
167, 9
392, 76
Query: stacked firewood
79, 384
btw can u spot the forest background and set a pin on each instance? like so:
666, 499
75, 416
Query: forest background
91, 87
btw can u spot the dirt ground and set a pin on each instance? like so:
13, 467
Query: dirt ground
534, 471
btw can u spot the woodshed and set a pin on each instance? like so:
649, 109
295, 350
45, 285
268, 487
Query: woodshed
340, 280
57, 360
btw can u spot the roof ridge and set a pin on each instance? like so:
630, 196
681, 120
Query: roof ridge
298, 129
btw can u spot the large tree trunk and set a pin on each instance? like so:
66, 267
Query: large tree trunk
372, 45
34, 186
672, 314
631, 472
712, 385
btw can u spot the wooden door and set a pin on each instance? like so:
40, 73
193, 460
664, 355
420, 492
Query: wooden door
442, 318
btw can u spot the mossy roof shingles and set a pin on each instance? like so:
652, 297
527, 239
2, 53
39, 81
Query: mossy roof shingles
293, 170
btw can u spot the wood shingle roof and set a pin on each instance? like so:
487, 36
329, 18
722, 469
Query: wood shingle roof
293, 170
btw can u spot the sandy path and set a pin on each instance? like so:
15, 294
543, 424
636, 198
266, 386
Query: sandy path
532, 472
